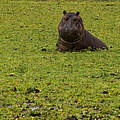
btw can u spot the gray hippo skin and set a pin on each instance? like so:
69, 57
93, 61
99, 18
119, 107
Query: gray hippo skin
73, 36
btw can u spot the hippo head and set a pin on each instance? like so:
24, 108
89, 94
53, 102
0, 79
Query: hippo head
71, 26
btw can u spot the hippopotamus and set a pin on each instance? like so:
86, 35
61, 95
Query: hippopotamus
73, 36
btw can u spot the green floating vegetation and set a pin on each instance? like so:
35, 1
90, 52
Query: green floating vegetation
39, 82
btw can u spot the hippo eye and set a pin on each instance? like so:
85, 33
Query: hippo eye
65, 18
75, 19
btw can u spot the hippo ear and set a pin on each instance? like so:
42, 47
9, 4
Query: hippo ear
64, 12
77, 13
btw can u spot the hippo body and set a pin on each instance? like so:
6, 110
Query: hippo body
73, 36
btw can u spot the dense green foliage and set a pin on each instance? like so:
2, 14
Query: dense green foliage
38, 82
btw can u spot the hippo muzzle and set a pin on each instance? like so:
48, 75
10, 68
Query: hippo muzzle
69, 33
